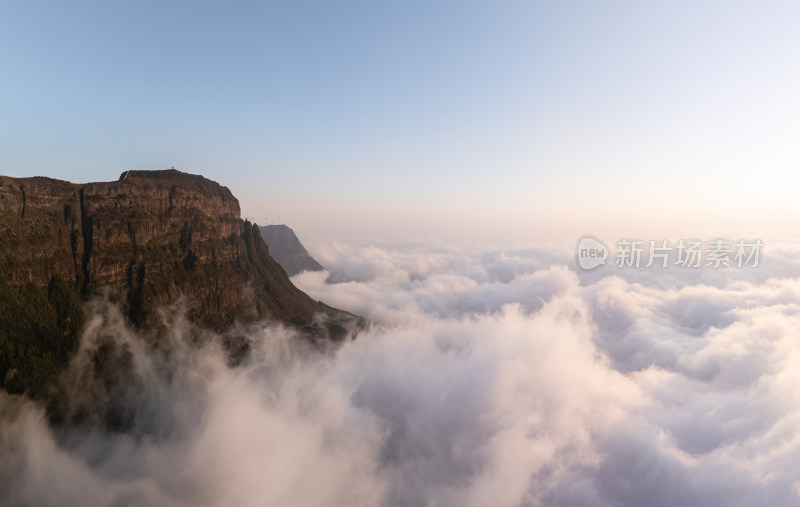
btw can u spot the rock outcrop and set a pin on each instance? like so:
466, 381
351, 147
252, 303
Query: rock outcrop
286, 248
147, 239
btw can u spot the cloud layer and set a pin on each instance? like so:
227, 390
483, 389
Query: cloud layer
491, 377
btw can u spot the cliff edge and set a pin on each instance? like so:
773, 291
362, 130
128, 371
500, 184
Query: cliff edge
148, 239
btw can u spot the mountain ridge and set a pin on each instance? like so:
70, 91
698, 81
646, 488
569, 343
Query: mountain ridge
146, 239
286, 248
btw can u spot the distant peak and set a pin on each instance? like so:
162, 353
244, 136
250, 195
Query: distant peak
285, 247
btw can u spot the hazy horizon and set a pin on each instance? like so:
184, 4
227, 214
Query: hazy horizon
505, 120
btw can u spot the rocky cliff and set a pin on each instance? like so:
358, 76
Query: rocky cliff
286, 248
146, 240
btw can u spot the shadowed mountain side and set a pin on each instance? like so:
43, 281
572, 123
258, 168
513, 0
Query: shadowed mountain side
151, 237
285, 247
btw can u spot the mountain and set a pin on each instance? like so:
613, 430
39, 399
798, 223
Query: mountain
285, 247
146, 241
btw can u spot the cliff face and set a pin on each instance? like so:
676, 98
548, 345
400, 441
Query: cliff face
286, 248
150, 237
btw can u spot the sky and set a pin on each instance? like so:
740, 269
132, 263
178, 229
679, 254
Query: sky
507, 120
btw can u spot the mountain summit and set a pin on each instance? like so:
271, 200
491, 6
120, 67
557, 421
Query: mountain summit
147, 240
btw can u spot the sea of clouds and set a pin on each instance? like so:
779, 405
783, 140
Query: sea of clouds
490, 376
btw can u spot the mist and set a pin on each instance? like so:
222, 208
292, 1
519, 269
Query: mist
489, 377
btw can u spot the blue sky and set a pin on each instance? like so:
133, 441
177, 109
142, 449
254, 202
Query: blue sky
509, 119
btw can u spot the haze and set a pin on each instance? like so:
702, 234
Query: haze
503, 120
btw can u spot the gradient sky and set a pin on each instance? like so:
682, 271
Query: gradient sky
518, 120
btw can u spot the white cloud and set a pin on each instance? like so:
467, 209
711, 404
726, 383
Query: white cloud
490, 377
